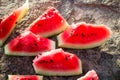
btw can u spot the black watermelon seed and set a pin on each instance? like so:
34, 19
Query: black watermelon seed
51, 61
39, 25
66, 58
82, 34
16, 22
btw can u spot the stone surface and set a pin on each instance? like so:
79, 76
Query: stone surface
104, 59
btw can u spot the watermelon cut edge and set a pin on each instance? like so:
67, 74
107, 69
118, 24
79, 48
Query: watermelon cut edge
49, 72
25, 8
52, 17
55, 32
63, 44
11, 77
90, 75
15, 53
59, 73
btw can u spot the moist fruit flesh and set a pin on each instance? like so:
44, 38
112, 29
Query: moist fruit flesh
28, 44
57, 63
49, 23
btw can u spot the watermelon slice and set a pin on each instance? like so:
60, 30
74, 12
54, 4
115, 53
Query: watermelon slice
7, 24
83, 36
49, 23
90, 75
28, 44
57, 63
24, 77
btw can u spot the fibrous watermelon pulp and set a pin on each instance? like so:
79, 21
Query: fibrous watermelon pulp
82, 36
57, 63
90, 75
49, 23
8, 23
24, 77
28, 44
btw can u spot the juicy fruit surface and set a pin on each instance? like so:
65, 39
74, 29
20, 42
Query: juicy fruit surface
90, 75
8, 23
24, 77
29, 43
57, 61
49, 23
84, 34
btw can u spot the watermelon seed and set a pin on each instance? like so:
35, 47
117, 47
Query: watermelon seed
43, 61
66, 58
76, 35
35, 44
82, 34
51, 61
0, 20
39, 25
16, 22
10, 19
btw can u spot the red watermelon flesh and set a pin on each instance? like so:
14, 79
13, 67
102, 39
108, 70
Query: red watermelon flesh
49, 23
28, 44
24, 77
90, 75
82, 36
57, 63
7, 24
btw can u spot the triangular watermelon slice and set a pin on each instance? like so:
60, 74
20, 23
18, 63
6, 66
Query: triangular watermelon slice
90, 75
49, 23
28, 44
83, 36
57, 63
24, 77
8, 23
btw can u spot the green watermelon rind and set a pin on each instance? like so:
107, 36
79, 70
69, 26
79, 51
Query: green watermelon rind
63, 44
39, 77
15, 53
59, 73
23, 13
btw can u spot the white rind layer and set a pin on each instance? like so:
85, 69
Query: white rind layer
62, 43
10, 77
56, 31
58, 72
21, 53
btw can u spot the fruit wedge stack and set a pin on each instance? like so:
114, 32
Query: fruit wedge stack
34, 42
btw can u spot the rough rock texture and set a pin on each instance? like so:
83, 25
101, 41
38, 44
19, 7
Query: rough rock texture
104, 59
